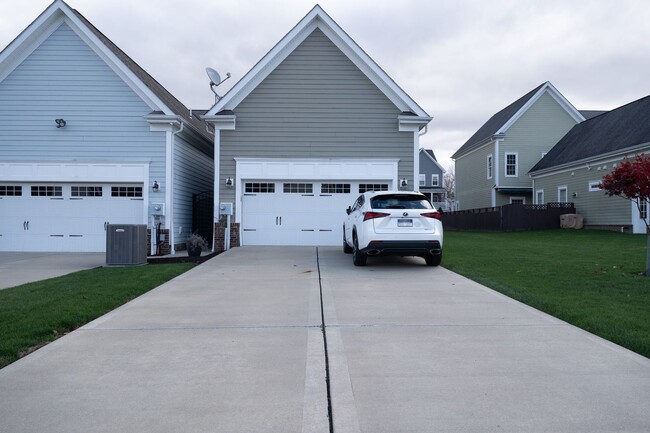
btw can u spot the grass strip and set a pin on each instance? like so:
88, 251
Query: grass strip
34, 314
589, 278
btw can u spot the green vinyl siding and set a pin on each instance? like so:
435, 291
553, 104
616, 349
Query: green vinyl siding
316, 104
473, 188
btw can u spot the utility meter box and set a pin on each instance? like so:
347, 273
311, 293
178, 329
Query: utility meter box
126, 244
157, 209
225, 209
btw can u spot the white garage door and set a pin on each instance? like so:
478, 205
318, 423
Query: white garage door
67, 217
298, 212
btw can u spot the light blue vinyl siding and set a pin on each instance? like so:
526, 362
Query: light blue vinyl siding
64, 78
316, 104
428, 167
193, 173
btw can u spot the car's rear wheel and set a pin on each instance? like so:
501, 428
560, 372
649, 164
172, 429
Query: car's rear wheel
346, 248
358, 258
433, 260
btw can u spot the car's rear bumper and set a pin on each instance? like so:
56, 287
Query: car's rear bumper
402, 248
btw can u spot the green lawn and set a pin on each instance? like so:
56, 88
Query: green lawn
34, 314
589, 278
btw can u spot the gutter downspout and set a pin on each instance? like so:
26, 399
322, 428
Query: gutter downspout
170, 187
215, 195
496, 159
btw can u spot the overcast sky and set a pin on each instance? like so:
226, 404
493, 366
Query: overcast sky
461, 61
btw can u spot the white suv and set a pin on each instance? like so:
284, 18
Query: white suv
393, 223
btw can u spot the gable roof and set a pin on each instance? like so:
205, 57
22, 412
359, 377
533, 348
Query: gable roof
429, 154
626, 127
318, 19
501, 121
153, 93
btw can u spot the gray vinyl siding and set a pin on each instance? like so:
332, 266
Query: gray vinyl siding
596, 207
193, 173
473, 188
535, 132
64, 78
427, 168
316, 104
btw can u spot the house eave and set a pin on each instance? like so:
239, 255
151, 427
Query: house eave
479, 145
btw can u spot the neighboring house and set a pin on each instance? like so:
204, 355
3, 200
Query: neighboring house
492, 166
88, 138
431, 179
312, 125
574, 167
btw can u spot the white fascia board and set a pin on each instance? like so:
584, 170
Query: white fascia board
407, 122
40, 29
163, 122
555, 94
316, 18
225, 122
487, 141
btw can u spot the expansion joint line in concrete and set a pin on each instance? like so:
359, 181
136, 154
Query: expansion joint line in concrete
327, 364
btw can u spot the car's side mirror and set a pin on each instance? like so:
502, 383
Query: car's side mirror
348, 210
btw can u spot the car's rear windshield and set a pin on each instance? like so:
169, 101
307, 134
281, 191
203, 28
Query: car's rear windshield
400, 201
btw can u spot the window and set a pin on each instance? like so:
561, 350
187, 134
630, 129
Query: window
423, 180
126, 191
593, 186
86, 191
47, 191
399, 201
517, 200
335, 188
562, 193
489, 166
511, 164
365, 187
435, 180
11, 190
298, 188
643, 210
539, 196
259, 187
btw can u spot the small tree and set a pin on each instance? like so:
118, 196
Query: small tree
631, 180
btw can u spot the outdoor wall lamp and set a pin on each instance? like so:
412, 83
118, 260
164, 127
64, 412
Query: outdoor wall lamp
155, 187
229, 182
60, 123
403, 182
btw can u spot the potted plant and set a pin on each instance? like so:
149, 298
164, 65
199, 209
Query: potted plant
195, 243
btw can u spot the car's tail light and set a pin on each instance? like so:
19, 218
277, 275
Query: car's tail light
372, 215
436, 215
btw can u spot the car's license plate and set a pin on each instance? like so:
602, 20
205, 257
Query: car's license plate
404, 222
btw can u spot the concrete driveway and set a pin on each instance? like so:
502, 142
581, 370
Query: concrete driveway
18, 268
236, 345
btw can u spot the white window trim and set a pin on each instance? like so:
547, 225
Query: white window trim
537, 194
435, 183
559, 189
593, 186
423, 179
489, 166
505, 165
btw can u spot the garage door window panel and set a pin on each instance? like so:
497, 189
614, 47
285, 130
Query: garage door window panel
365, 187
335, 188
86, 191
259, 187
47, 191
126, 191
11, 191
298, 188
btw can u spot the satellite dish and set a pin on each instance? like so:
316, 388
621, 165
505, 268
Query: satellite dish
214, 76
215, 80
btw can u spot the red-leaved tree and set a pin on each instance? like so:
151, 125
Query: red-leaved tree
631, 180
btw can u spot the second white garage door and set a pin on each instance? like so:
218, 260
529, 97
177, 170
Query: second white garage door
298, 212
65, 217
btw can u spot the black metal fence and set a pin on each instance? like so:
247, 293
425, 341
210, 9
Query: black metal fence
510, 217
202, 214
